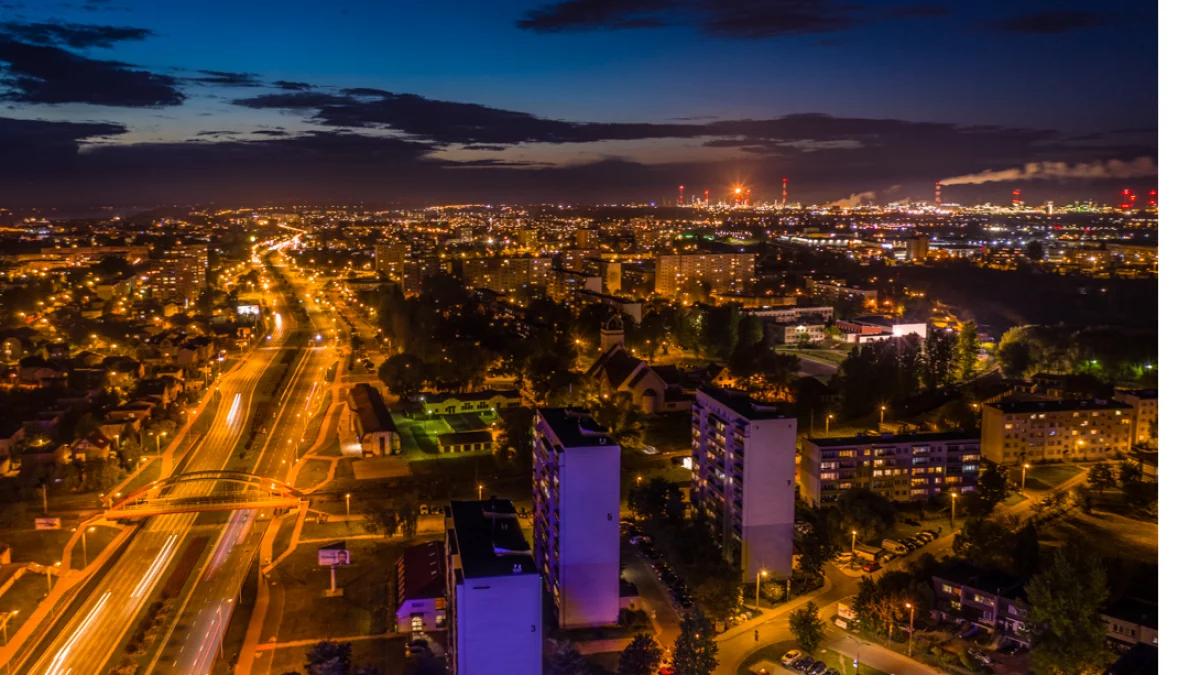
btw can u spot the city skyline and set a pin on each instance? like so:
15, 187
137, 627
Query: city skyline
125, 103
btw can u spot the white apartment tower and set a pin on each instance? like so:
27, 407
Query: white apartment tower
576, 524
743, 471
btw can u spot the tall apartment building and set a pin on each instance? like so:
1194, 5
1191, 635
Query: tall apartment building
588, 237
1145, 412
418, 270
917, 248
505, 275
563, 285
901, 467
689, 271
181, 275
743, 466
493, 592
527, 239
576, 507
582, 260
1015, 432
389, 261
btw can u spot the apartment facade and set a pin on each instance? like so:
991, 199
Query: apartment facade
505, 275
721, 272
181, 275
987, 599
1145, 412
493, 592
901, 467
743, 464
576, 507
1017, 431
389, 261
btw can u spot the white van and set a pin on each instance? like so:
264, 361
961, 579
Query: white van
895, 546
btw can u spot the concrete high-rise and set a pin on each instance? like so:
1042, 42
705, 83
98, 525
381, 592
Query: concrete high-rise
576, 506
493, 592
689, 272
743, 471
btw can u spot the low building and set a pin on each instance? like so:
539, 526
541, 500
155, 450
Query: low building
493, 592
465, 441
372, 422
421, 588
653, 388
1019, 431
1130, 622
901, 467
1145, 413
484, 401
990, 600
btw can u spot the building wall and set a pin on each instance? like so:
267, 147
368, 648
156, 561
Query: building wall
498, 625
1056, 435
722, 271
751, 463
900, 469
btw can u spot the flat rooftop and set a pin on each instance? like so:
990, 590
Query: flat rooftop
895, 439
741, 403
488, 540
1009, 406
575, 428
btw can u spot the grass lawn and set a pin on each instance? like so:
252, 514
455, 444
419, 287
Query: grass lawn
97, 540
1049, 477
23, 597
349, 528
367, 584
1137, 539
312, 473
40, 546
386, 654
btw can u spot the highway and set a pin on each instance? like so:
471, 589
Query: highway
194, 639
85, 643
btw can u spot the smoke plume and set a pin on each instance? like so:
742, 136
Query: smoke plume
1142, 167
855, 200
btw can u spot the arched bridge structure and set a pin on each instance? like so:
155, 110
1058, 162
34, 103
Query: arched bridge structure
199, 491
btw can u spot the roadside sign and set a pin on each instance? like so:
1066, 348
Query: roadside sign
47, 523
334, 554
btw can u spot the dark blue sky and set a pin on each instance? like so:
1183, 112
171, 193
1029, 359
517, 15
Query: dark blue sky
136, 100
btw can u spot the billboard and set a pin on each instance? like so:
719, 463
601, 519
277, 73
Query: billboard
247, 310
334, 554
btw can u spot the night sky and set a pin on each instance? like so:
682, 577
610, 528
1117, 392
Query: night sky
143, 101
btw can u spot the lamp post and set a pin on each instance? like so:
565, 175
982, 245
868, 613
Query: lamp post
882, 409
158, 441
480, 488
1024, 468
347, 504
758, 586
84, 535
911, 611
4, 620
953, 503
853, 547
857, 650
827, 418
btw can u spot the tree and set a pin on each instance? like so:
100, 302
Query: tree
656, 499
403, 374
1100, 476
620, 416
807, 627
866, 512
967, 348
1034, 250
938, 358
986, 542
817, 546
993, 485
1065, 599
328, 658
720, 594
565, 659
640, 657
1129, 472
695, 648
393, 515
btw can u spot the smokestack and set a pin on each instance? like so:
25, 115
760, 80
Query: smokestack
785, 192
1016, 199
937, 193
681, 195
706, 197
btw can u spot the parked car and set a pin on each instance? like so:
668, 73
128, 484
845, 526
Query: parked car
886, 558
910, 521
870, 567
818, 668
803, 664
980, 656
417, 647
931, 533
790, 656
424, 509
649, 450
844, 557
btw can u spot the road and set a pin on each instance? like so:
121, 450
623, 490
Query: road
87, 642
194, 641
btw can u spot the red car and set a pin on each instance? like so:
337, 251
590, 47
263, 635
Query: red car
870, 567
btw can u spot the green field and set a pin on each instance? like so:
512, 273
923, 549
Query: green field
1048, 477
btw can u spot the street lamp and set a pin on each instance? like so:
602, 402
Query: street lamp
882, 409
853, 547
480, 487
857, 650
4, 620
347, 504
953, 503
1024, 468
827, 418
911, 611
158, 441
84, 536
758, 586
